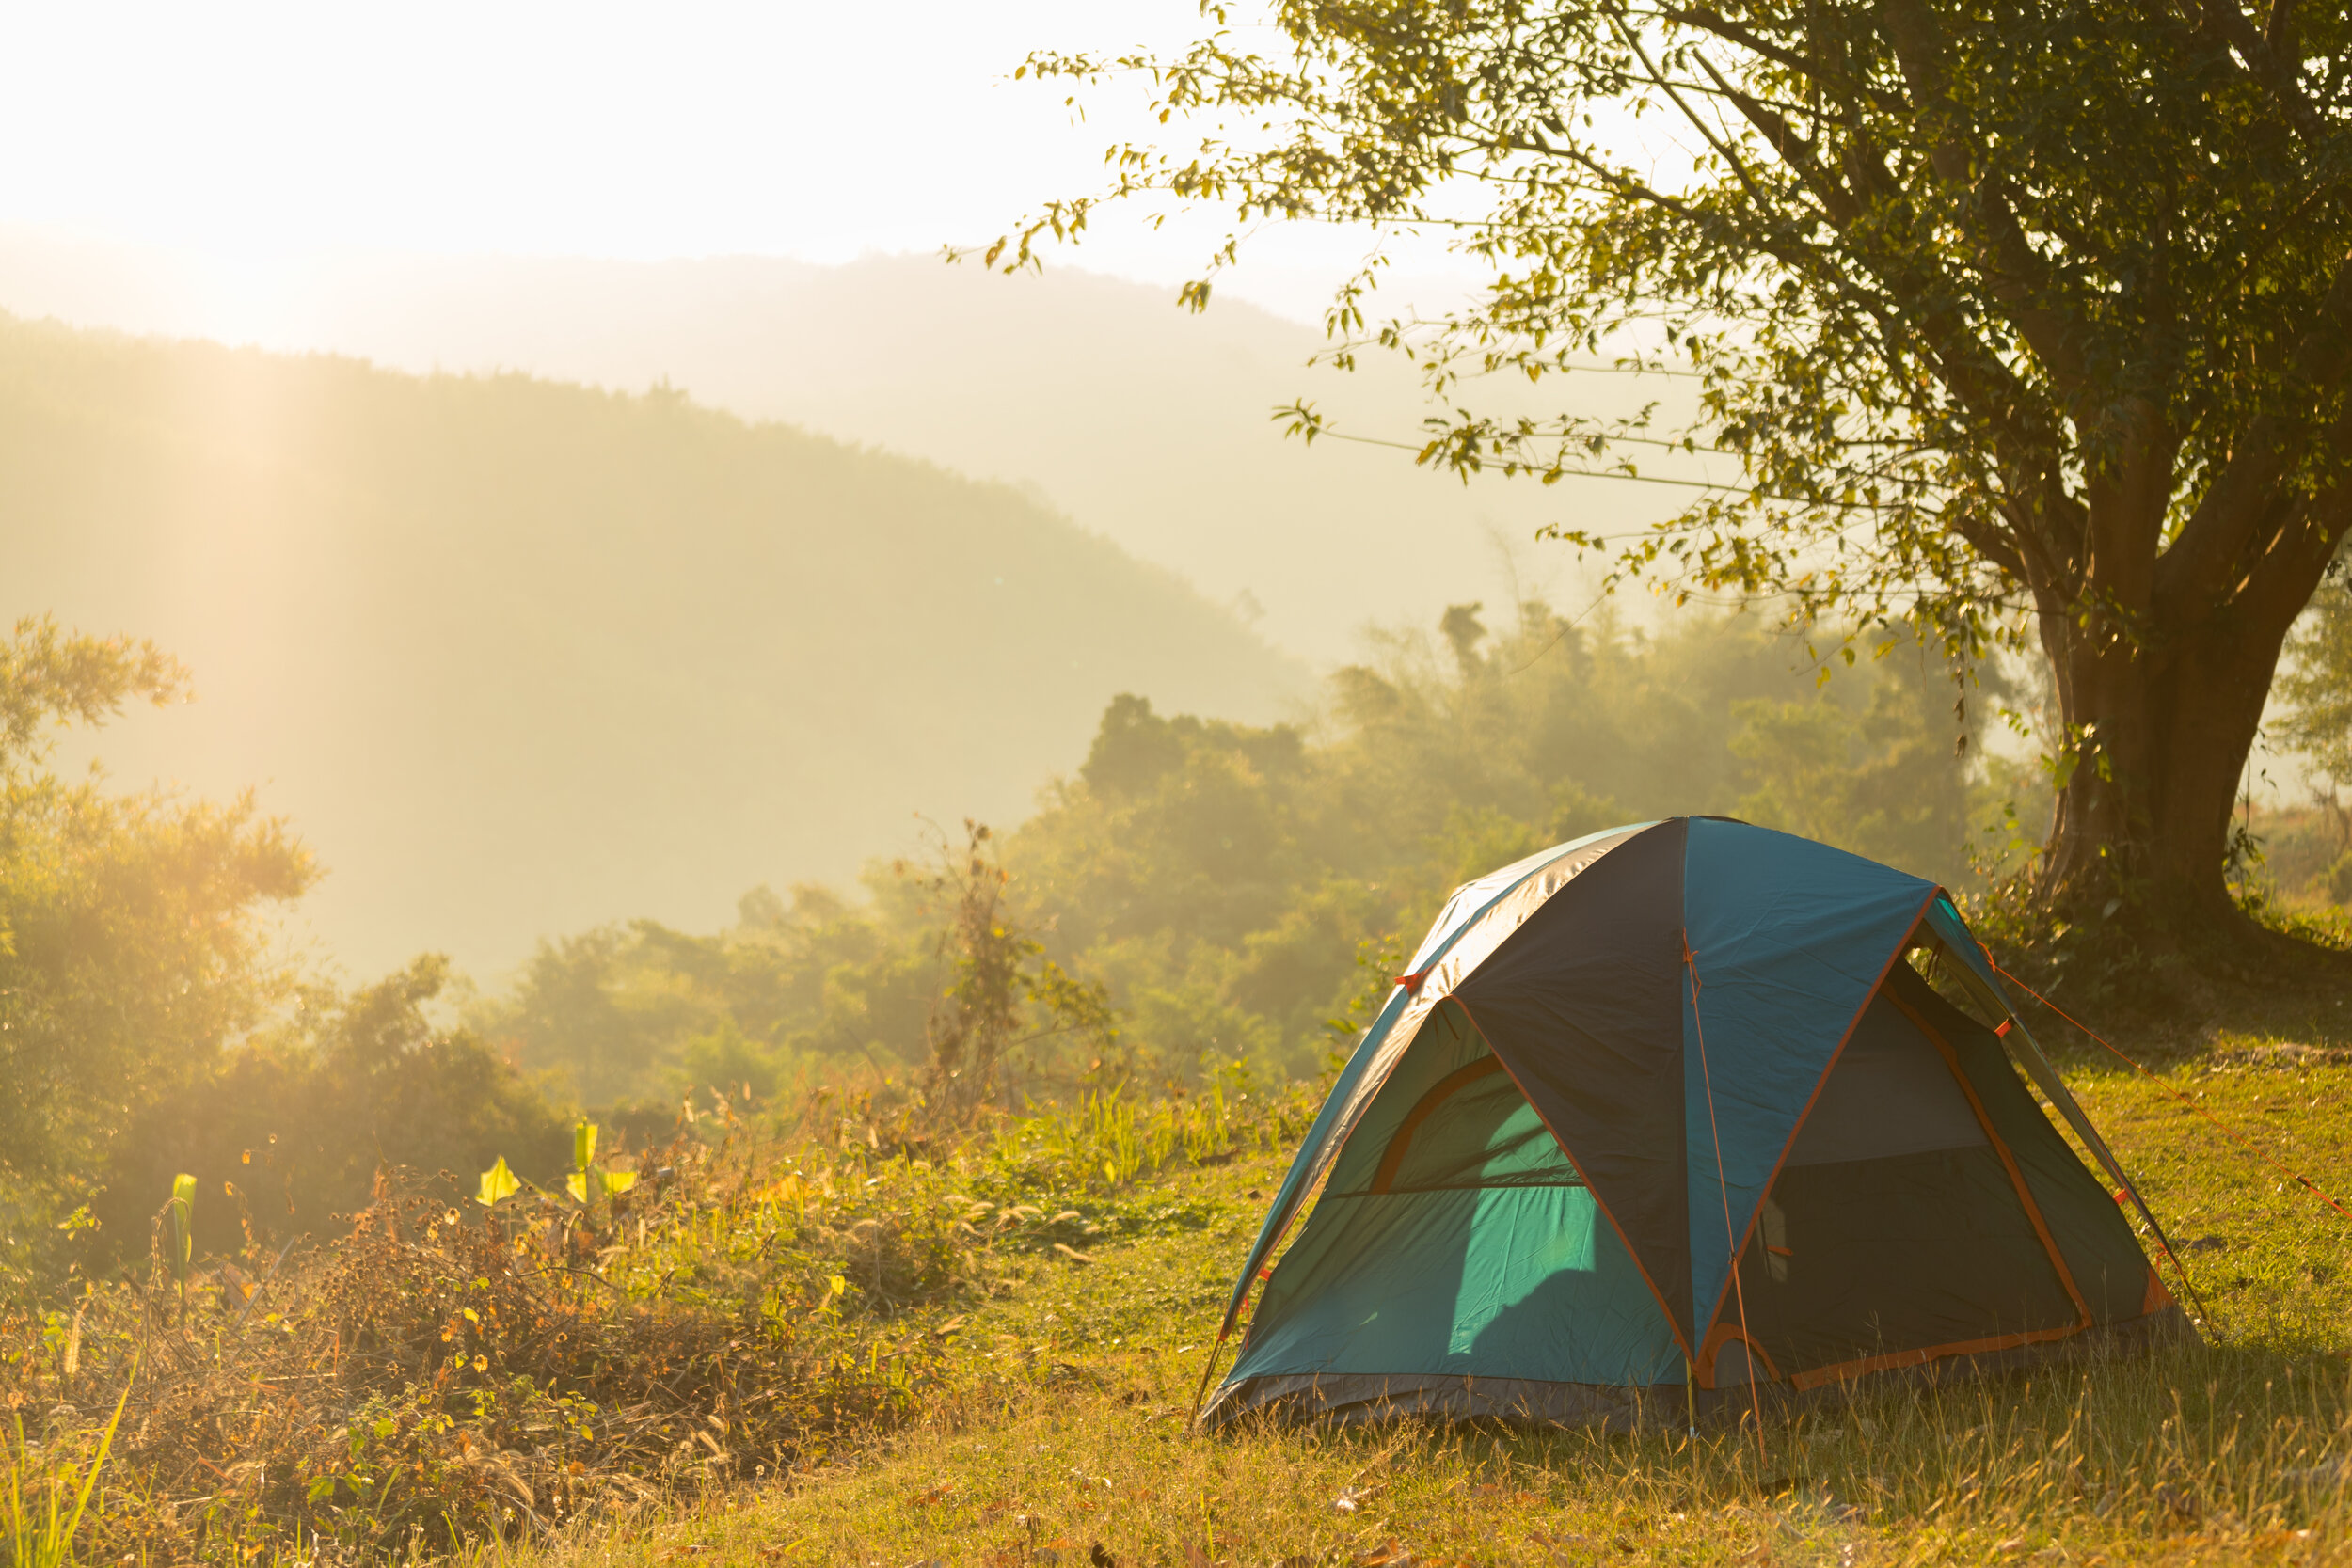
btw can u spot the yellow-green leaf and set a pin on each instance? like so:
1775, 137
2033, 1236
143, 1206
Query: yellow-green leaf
583, 1145
182, 1224
498, 1184
619, 1181
576, 1184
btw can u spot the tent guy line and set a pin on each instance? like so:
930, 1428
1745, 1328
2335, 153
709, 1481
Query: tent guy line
2218, 1125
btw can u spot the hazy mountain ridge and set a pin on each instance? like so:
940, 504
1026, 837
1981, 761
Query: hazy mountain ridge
1146, 422
519, 655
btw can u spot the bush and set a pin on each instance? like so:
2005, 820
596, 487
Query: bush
285, 1136
450, 1371
443, 1373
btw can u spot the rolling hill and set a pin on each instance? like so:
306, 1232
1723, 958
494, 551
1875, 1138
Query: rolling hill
518, 656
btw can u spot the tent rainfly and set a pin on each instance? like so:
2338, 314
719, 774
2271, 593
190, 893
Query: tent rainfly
1665, 1113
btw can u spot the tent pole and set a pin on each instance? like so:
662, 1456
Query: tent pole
1731, 1242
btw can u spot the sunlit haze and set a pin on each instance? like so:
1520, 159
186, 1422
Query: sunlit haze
744, 204
681, 867
257, 139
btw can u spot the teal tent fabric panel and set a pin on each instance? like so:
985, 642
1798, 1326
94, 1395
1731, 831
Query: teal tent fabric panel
1484, 1134
1462, 910
1944, 920
1788, 939
1446, 1042
1523, 1282
1292, 1192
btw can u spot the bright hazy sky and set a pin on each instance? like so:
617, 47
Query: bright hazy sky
254, 139
252, 134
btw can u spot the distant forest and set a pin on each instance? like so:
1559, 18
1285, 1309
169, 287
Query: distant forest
520, 657
1203, 904
1240, 893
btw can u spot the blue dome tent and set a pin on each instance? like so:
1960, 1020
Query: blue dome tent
1663, 1114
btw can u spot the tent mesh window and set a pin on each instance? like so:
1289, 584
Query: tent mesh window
1471, 1129
1923, 1172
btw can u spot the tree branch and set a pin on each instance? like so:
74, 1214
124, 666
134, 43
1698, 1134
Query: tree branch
2266, 65
2019, 275
2279, 581
1994, 545
2227, 520
1707, 21
1791, 148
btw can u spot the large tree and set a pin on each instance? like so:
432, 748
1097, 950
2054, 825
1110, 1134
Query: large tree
2026, 321
134, 941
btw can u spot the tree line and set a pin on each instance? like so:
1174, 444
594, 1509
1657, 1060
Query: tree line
1232, 891
1197, 897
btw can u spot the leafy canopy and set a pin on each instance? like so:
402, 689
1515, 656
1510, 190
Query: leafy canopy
1978, 311
132, 946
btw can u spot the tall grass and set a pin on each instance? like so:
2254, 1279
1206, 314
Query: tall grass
1055, 1423
483, 1358
1058, 1446
1113, 1138
42, 1526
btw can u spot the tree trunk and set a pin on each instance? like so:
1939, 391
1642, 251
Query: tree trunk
2158, 734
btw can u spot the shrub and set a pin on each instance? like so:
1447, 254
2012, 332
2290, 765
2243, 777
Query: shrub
285, 1136
452, 1371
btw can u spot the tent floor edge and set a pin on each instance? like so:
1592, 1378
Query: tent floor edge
2126, 1341
1360, 1398
1356, 1398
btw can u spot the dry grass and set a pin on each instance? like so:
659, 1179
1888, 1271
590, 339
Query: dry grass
1058, 1424
446, 1375
434, 1376
2103, 1467
1014, 1344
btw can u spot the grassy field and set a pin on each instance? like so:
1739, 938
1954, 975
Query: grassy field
846, 1345
1057, 1432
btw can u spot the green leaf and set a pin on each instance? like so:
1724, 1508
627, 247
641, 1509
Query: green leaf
182, 1225
576, 1184
498, 1184
583, 1145
618, 1182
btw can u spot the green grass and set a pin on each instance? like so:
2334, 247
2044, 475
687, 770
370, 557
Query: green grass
1058, 1424
2273, 1262
986, 1356
49, 1494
